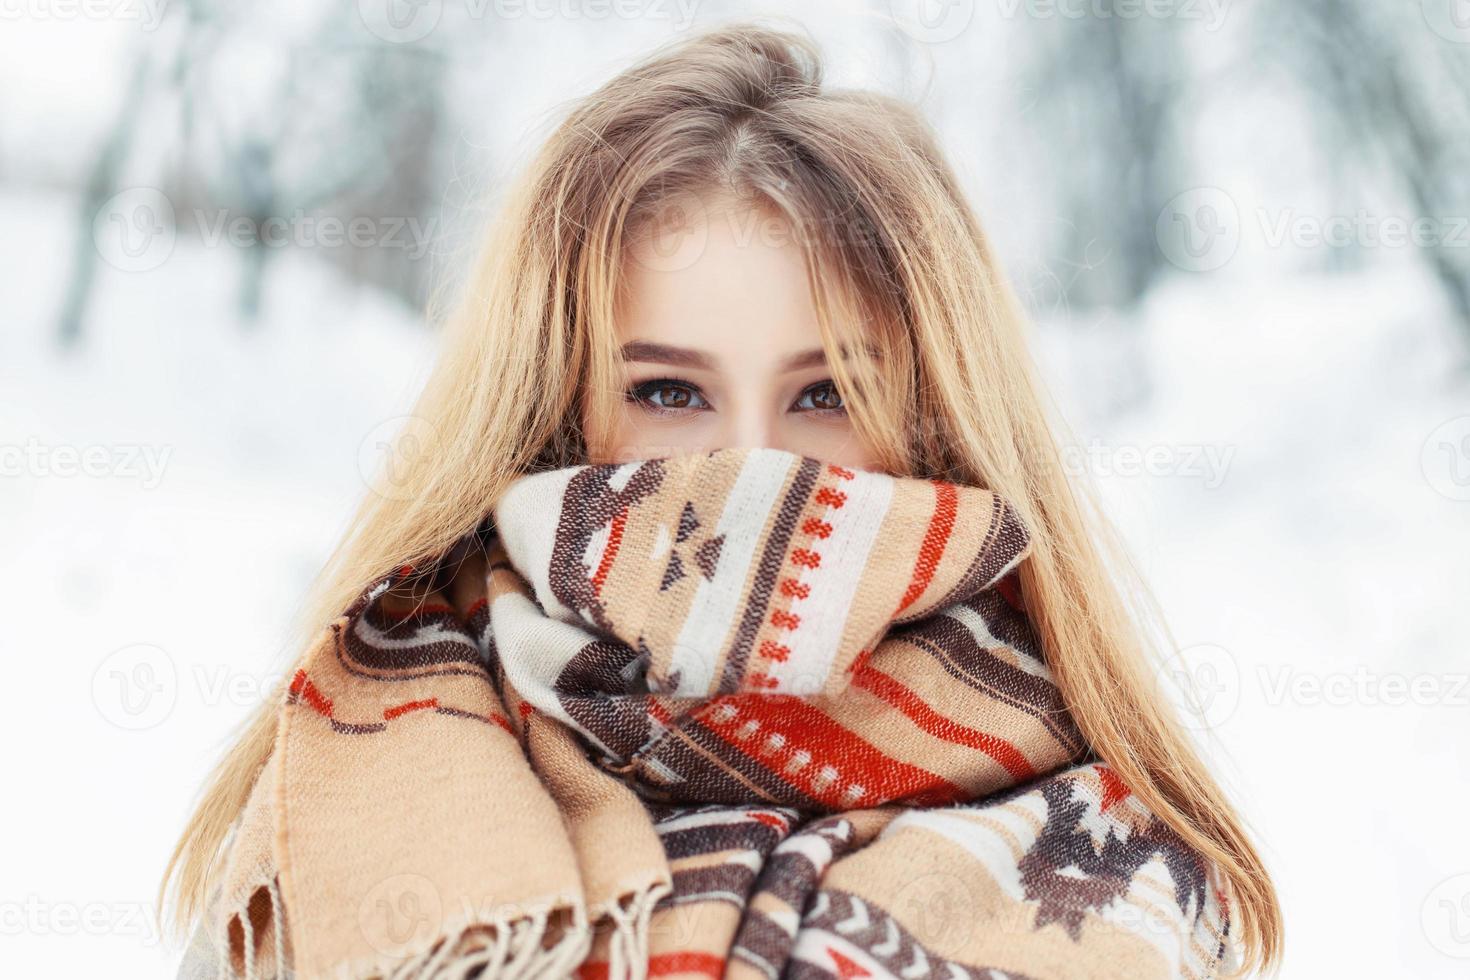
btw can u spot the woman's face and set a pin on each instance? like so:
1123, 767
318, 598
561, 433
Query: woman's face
720, 344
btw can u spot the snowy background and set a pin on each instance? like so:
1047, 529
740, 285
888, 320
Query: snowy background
1241, 230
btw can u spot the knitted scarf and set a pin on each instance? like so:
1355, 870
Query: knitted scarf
735, 714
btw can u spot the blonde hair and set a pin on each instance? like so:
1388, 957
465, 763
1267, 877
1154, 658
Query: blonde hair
925, 340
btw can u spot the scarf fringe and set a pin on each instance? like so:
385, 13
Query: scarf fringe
506, 948
517, 953
628, 944
277, 926
501, 949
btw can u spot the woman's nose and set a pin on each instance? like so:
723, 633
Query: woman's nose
752, 427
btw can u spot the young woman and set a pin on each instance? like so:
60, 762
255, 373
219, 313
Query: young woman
719, 260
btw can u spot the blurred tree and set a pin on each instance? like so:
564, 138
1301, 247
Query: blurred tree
338, 133
311, 131
1391, 101
1106, 93
102, 184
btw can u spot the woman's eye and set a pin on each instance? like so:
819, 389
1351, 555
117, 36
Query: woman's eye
824, 398
667, 395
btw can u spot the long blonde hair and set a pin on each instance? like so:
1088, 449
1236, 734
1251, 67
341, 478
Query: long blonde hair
925, 339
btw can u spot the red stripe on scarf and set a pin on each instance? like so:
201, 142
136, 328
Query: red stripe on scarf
614, 538
803, 726
402, 709
770, 820
663, 965
667, 963
936, 536
897, 694
1114, 789
308, 692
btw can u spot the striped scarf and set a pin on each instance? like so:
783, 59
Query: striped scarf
737, 714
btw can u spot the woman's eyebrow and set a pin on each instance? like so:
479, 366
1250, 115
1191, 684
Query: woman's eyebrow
653, 353
805, 359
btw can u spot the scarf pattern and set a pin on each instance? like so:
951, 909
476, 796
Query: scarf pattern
738, 714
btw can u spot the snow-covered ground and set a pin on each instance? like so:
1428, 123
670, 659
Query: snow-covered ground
149, 602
